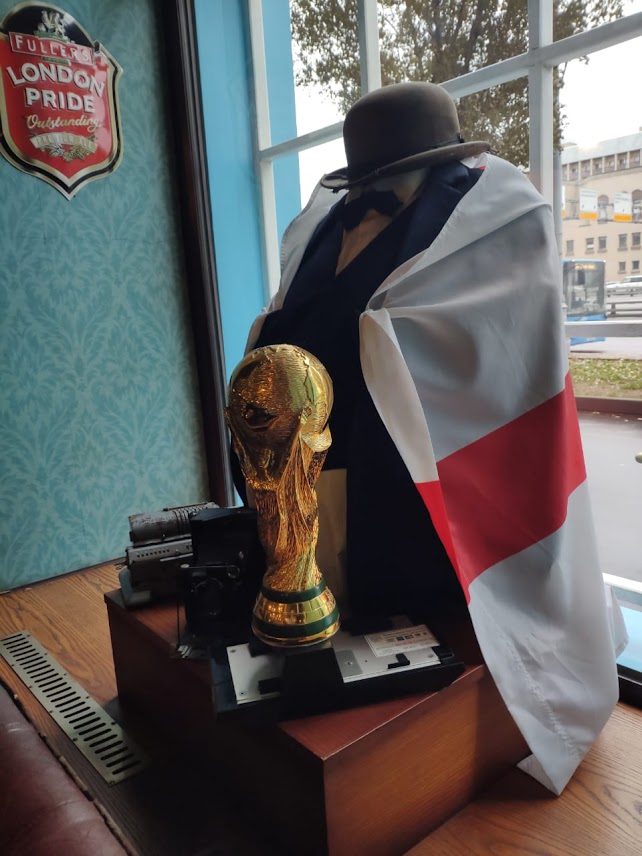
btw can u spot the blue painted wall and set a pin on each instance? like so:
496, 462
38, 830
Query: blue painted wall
225, 62
99, 415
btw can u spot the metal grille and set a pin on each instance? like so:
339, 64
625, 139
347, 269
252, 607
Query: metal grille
101, 740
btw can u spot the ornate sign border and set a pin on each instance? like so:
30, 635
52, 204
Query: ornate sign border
80, 53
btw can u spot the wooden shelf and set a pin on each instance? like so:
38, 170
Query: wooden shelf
372, 780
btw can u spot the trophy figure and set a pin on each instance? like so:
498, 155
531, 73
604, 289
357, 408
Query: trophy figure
279, 401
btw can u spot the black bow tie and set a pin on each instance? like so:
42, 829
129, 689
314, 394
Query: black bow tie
353, 212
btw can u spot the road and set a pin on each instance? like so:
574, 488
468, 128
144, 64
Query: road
615, 483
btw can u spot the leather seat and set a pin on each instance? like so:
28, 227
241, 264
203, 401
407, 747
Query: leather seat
42, 811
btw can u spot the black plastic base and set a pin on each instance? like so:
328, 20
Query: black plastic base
311, 682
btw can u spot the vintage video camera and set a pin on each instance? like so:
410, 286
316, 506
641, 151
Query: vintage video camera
161, 542
222, 580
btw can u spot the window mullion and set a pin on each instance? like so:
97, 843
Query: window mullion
541, 100
368, 28
262, 140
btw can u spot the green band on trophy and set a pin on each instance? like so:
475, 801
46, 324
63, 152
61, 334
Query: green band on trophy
296, 631
293, 596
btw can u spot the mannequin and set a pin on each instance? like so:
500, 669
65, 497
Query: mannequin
456, 448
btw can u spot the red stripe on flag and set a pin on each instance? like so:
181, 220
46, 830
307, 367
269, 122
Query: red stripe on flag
510, 489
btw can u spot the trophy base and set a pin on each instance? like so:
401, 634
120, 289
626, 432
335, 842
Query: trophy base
295, 619
259, 684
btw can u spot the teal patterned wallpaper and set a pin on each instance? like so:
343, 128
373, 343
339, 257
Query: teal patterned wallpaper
99, 413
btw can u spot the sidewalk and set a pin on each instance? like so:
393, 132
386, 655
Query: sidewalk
611, 349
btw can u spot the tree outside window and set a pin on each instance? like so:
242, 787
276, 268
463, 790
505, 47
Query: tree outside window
437, 41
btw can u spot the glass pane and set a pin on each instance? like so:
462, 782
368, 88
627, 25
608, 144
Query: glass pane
571, 18
316, 162
602, 215
596, 100
312, 56
611, 443
499, 115
631, 603
602, 183
424, 40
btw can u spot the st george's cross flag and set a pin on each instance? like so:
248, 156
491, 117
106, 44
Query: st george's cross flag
464, 355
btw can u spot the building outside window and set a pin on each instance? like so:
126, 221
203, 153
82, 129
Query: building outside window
621, 242
601, 243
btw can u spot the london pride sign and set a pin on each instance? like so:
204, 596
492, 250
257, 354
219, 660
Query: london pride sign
59, 116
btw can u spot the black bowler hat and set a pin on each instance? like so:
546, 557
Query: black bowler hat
400, 128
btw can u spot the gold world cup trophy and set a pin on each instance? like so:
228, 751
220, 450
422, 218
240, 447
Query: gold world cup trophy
279, 401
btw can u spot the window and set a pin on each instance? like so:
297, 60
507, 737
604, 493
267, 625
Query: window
603, 207
635, 266
310, 141
621, 242
634, 158
635, 239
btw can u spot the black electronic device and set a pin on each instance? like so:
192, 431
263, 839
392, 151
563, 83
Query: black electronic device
161, 542
221, 581
397, 657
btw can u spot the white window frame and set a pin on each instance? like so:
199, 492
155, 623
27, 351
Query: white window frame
537, 63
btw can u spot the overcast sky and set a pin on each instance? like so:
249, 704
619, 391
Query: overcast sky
601, 98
